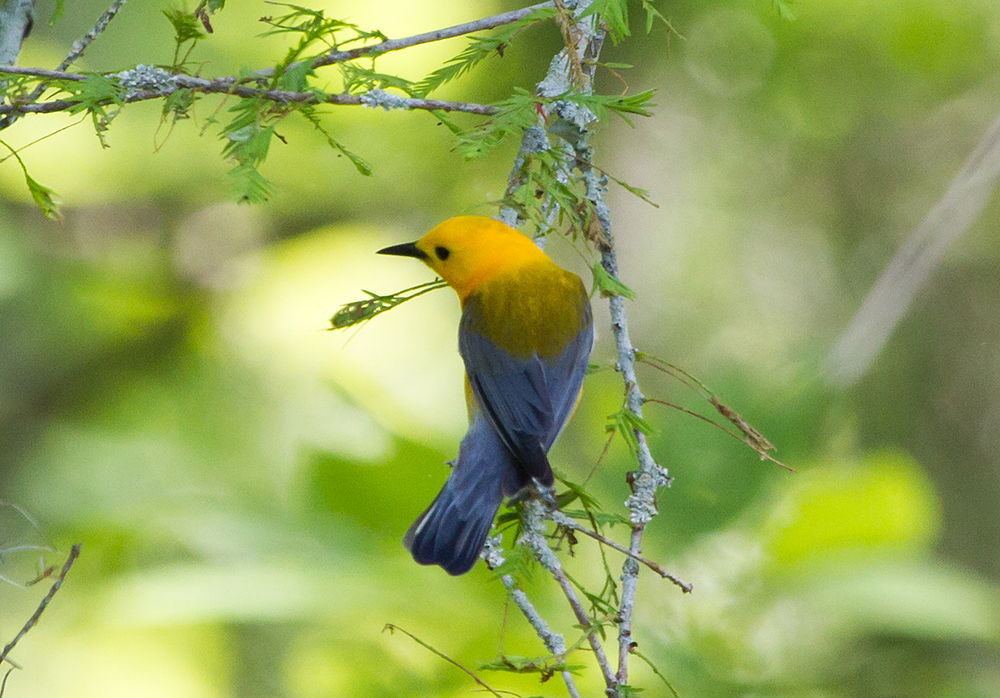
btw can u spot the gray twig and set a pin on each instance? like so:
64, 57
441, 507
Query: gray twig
645, 483
554, 642
73, 554
650, 476
533, 537
232, 84
80, 45
75, 52
375, 98
428, 37
41, 73
566, 522
16, 17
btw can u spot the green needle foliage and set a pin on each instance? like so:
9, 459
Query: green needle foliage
43, 196
93, 96
358, 312
478, 50
254, 118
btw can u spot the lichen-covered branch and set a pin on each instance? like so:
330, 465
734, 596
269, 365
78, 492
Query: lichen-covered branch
144, 83
573, 69
80, 45
645, 482
554, 642
16, 18
155, 89
533, 537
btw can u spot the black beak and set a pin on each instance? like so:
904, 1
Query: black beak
407, 249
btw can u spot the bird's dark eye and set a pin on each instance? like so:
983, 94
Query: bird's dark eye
442, 253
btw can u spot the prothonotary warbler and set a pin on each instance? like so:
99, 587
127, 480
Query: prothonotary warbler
525, 337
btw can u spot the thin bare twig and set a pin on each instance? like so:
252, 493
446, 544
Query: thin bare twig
392, 628
566, 522
428, 37
73, 554
650, 477
656, 671
585, 623
751, 436
41, 73
645, 483
748, 439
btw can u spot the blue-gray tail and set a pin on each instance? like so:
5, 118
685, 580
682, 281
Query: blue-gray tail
452, 531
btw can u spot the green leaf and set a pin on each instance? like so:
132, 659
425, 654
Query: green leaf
177, 104
475, 53
359, 163
653, 14
251, 187
608, 285
295, 78
633, 190
58, 13
615, 16
517, 113
601, 105
636, 423
576, 492
784, 8
43, 196
359, 79
357, 312
478, 50
447, 122
514, 663
519, 563
247, 141
313, 27
187, 26
626, 424
600, 517
93, 93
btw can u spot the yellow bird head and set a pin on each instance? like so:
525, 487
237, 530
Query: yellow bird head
467, 250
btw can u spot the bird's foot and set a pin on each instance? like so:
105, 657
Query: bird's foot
546, 493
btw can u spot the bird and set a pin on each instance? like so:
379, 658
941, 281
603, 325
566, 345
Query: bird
525, 338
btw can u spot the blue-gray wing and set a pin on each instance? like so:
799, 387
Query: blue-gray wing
527, 401
453, 529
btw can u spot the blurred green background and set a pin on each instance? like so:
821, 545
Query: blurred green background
241, 479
